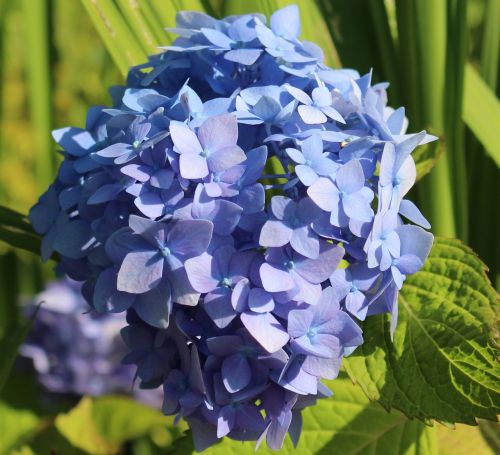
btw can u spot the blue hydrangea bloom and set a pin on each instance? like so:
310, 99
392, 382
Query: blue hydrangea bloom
241, 286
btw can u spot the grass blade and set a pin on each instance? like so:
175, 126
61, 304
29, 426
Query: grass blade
481, 108
40, 104
386, 47
490, 54
116, 34
141, 29
425, 43
456, 53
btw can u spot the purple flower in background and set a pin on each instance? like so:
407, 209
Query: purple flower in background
76, 352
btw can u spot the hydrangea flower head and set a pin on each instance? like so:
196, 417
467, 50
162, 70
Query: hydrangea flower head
242, 287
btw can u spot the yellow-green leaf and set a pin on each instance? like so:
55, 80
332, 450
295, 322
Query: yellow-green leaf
443, 362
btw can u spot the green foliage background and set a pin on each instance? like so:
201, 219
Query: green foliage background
57, 57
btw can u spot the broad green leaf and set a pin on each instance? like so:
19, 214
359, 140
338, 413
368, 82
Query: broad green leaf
8, 349
79, 428
426, 156
481, 112
347, 423
120, 419
443, 363
15, 426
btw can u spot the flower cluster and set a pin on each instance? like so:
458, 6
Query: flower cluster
74, 352
244, 204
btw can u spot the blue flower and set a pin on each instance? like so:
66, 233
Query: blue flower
239, 41
311, 161
317, 108
213, 202
291, 223
160, 248
212, 149
347, 198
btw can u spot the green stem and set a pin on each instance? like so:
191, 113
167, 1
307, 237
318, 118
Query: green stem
490, 49
386, 46
425, 47
454, 126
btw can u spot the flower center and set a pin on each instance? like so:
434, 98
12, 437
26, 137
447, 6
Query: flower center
165, 251
311, 333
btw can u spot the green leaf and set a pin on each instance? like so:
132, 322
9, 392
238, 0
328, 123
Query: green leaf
79, 428
50, 441
15, 426
9, 346
119, 419
347, 423
16, 230
481, 112
426, 156
442, 364
14, 219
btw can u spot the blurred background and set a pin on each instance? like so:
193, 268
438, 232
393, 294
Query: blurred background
441, 57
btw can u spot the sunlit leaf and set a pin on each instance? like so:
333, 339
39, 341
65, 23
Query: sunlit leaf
79, 428
15, 426
120, 419
443, 363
